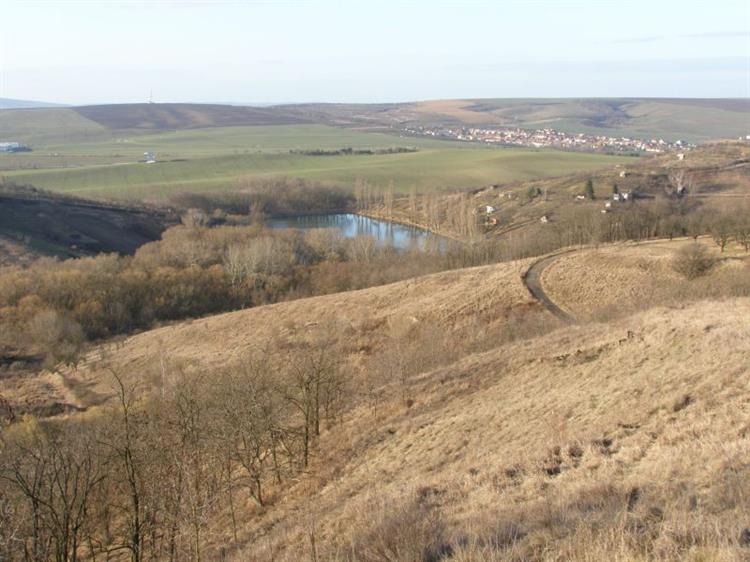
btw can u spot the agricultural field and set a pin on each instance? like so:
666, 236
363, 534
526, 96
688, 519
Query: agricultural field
426, 170
214, 158
94, 151
129, 146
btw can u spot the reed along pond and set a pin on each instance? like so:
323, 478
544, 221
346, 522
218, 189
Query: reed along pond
386, 233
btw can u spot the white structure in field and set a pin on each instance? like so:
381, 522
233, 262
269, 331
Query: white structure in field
150, 157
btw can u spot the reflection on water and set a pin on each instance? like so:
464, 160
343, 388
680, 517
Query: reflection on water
386, 233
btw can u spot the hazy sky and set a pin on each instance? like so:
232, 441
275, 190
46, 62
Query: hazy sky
325, 50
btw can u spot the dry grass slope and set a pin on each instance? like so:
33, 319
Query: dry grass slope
625, 440
596, 283
356, 320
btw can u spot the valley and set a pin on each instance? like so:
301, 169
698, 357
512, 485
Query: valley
344, 344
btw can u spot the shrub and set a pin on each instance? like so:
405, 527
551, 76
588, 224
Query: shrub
411, 531
692, 261
60, 337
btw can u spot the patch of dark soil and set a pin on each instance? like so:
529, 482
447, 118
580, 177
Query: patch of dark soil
69, 227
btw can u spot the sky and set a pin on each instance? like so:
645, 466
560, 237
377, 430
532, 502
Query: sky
287, 51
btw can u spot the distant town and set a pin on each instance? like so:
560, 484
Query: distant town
550, 138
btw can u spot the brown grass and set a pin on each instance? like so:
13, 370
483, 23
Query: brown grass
456, 109
578, 445
358, 322
626, 277
625, 440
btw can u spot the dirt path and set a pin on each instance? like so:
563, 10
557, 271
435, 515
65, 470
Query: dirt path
533, 282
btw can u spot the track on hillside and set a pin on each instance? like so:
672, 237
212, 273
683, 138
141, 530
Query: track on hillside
532, 279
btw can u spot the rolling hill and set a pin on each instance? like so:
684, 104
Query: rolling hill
621, 438
672, 119
179, 116
8, 103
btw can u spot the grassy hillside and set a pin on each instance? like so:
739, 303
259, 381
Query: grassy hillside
166, 116
362, 314
502, 438
427, 170
129, 146
41, 126
8, 103
695, 120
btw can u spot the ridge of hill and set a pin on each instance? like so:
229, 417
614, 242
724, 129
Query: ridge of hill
668, 118
178, 116
9, 103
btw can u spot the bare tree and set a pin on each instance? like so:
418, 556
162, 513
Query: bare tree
721, 232
388, 198
680, 181
124, 439
57, 473
314, 385
250, 424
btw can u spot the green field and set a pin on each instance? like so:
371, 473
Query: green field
75, 155
428, 169
85, 147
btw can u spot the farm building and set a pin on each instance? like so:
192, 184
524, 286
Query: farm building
11, 146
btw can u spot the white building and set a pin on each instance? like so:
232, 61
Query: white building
10, 146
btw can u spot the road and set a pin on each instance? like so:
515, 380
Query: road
533, 282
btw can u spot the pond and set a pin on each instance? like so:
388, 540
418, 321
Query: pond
386, 233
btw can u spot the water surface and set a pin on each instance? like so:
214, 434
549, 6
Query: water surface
386, 233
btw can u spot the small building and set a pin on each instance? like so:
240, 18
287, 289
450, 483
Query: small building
489, 209
616, 196
544, 219
580, 197
11, 146
680, 156
605, 211
150, 157
624, 174
608, 205
625, 196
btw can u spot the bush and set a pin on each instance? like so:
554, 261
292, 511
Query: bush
692, 261
410, 531
60, 337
